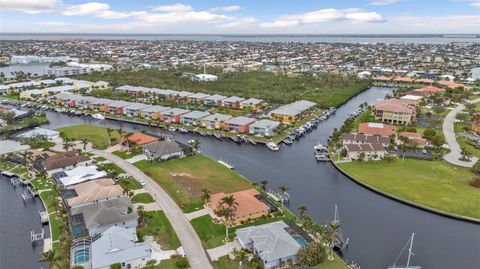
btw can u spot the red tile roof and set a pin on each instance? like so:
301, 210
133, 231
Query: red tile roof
248, 204
142, 139
394, 105
381, 129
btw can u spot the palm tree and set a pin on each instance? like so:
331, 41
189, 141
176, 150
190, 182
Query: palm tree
85, 143
141, 213
227, 213
241, 255
229, 200
67, 144
254, 184
120, 134
302, 209
109, 133
195, 144
264, 183
52, 259
205, 196
283, 189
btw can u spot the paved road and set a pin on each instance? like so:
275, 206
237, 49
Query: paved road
451, 139
191, 243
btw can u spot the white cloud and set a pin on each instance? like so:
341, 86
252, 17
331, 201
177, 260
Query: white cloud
173, 8
383, 2
100, 10
226, 8
246, 21
29, 6
182, 17
475, 4
324, 15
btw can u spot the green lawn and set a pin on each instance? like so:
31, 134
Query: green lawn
129, 184
49, 200
184, 179
109, 167
157, 225
42, 144
230, 111
462, 141
41, 184
127, 154
144, 198
168, 264
226, 263
99, 159
95, 134
436, 184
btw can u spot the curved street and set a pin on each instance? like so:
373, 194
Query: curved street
189, 239
454, 155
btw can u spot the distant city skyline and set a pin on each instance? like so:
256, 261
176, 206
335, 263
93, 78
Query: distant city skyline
241, 17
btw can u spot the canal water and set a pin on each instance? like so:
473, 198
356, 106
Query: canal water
377, 227
17, 219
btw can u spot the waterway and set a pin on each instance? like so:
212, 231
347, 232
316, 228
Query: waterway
17, 219
378, 227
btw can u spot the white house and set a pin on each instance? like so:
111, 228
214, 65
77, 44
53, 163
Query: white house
263, 127
193, 118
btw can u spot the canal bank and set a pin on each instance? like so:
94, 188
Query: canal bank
376, 226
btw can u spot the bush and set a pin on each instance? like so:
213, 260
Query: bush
411, 129
476, 168
181, 263
116, 266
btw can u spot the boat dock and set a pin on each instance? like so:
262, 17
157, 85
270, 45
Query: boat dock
226, 164
44, 217
34, 237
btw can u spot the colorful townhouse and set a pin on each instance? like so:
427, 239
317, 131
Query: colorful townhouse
182, 96
254, 103
193, 118
153, 112
100, 104
215, 121
173, 114
197, 98
214, 100
238, 124
234, 102
31, 94
116, 107
134, 109
292, 113
263, 128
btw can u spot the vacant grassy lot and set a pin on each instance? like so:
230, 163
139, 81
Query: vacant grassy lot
437, 184
144, 198
184, 179
129, 184
97, 135
325, 89
157, 225
127, 154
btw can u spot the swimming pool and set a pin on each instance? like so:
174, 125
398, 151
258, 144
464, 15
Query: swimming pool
300, 240
81, 256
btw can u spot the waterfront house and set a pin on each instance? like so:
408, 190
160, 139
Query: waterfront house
359, 139
77, 175
412, 137
292, 113
141, 139
65, 161
263, 128
163, 150
166, 94
375, 128
234, 102
182, 96
193, 118
394, 111
40, 132
214, 100
58, 89
116, 107
249, 206
17, 114
238, 124
94, 218
253, 103
89, 192
367, 151
197, 98
10, 146
215, 121
133, 109
31, 94
173, 114
119, 245
153, 112
275, 246
100, 104
412, 99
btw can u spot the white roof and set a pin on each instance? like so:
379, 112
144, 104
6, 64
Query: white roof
265, 124
206, 76
39, 132
9, 146
411, 97
375, 125
80, 174
195, 114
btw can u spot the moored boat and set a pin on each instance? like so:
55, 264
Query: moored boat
98, 116
273, 146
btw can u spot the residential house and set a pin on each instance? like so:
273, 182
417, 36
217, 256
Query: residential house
249, 206
153, 112
254, 103
102, 104
272, 242
141, 139
173, 114
412, 99
77, 175
182, 96
10, 146
374, 128
65, 161
360, 139
292, 113
214, 100
134, 109
193, 118
369, 151
40, 132
31, 94
197, 98
263, 128
412, 137
163, 150
116, 107
234, 102
394, 111
89, 192
215, 121
238, 124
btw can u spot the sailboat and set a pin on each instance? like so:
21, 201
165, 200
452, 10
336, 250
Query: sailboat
339, 241
410, 254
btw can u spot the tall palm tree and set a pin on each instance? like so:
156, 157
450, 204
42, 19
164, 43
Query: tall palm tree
227, 213
205, 196
302, 209
283, 189
195, 144
264, 183
229, 200
85, 143
67, 144
120, 134
109, 133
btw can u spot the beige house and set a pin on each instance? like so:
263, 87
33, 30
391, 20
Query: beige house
394, 111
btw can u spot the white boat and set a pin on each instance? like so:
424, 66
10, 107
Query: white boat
172, 129
322, 157
183, 130
98, 116
320, 148
410, 254
273, 146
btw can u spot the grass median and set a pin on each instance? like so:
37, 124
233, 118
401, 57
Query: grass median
437, 184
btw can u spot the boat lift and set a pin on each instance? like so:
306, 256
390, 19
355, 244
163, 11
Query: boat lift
339, 241
34, 237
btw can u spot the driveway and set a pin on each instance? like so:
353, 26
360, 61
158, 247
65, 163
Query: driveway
216, 253
451, 139
196, 255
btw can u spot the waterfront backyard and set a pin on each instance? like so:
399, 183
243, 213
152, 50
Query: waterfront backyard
434, 184
97, 135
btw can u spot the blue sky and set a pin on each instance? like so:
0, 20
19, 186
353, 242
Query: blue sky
241, 16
